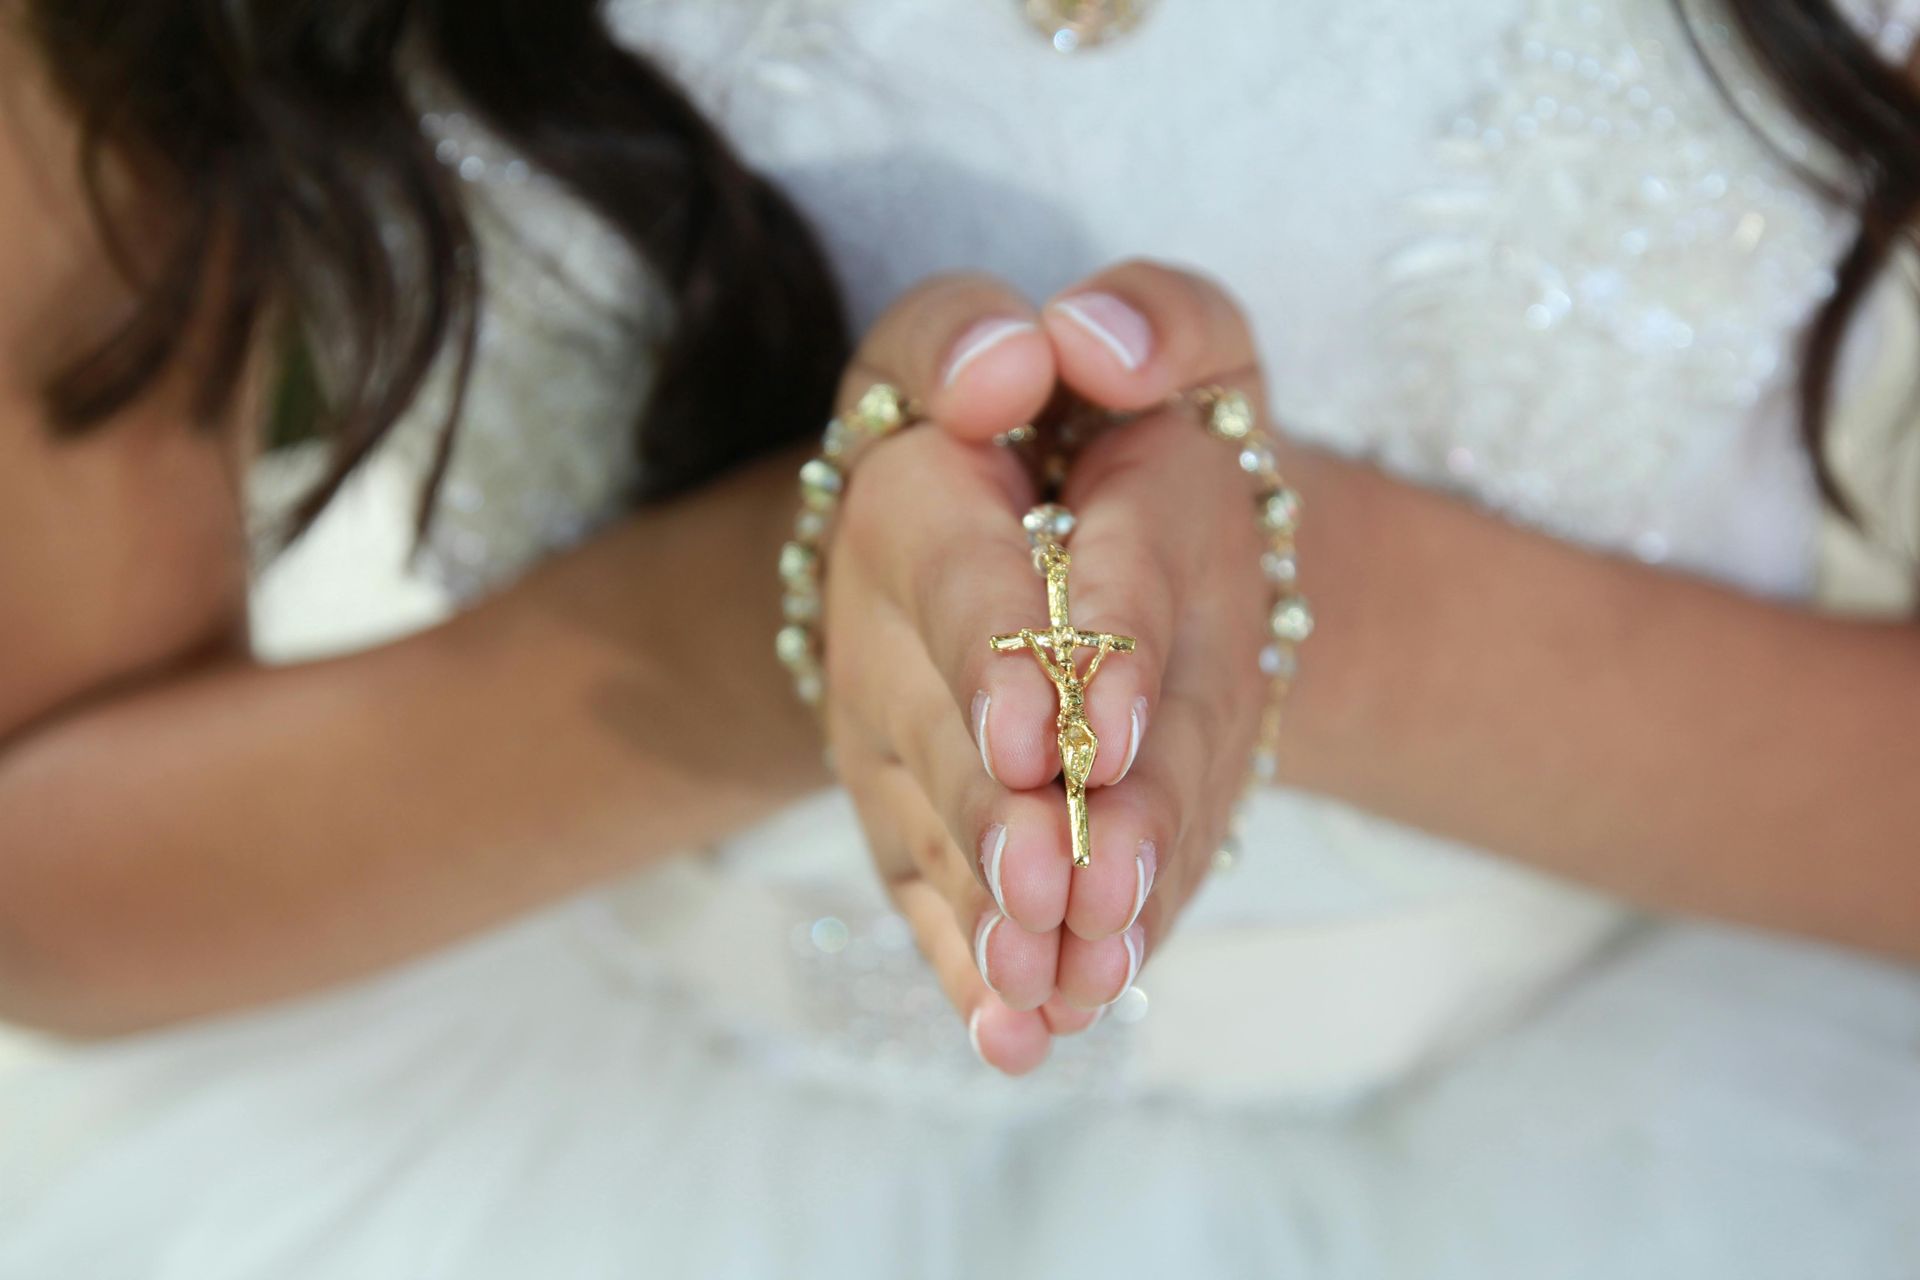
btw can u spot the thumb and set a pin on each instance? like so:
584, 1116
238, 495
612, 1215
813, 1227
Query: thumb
969, 349
1139, 332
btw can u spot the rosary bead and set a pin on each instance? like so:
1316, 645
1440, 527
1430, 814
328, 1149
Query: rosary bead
833, 443
820, 484
799, 565
880, 410
1280, 511
794, 646
1292, 620
1048, 523
1231, 416
1280, 567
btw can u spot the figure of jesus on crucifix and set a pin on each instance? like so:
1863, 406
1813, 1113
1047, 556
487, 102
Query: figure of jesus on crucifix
1054, 649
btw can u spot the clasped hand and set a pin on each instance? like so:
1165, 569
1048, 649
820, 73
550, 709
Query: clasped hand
949, 750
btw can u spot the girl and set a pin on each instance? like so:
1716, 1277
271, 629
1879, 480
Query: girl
1520, 251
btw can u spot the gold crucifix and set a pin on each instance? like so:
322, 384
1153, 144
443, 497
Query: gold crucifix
1054, 648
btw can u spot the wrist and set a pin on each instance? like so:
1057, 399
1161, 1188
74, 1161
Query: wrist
1345, 556
659, 625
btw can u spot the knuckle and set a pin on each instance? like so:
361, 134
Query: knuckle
931, 850
904, 730
898, 869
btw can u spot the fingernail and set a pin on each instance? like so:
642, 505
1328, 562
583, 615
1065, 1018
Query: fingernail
1138, 716
988, 924
993, 843
1135, 940
979, 340
973, 1032
1098, 1014
1145, 864
982, 703
1115, 325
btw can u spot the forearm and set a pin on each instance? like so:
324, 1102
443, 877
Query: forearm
1651, 734
250, 832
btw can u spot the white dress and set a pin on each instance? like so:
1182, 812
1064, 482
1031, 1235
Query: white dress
1518, 249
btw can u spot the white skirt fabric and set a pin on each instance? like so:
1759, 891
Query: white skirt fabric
1696, 1102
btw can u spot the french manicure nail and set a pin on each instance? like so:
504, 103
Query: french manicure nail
979, 340
983, 703
1145, 864
1138, 728
987, 926
1116, 326
1135, 940
973, 1032
993, 844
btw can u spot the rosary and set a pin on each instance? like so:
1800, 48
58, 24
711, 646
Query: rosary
1226, 414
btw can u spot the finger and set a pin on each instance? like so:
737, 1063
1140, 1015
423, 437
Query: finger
1131, 824
1140, 826
935, 525
1128, 339
1008, 1039
966, 348
1095, 974
1147, 495
1018, 841
1004, 1036
1122, 585
1180, 800
969, 350
1140, 331
1017, 965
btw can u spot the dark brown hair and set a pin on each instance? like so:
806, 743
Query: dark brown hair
1867, 111
284, 132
